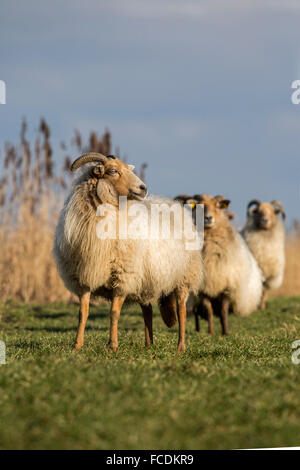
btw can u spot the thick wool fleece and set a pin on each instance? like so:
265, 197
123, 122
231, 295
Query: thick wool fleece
230, 268
268, 248
143, 270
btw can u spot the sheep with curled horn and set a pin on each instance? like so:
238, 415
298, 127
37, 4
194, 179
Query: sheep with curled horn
265, 236
121, 269
233, 280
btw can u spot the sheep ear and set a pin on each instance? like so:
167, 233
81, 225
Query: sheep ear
131, 167
224, 203
98, 171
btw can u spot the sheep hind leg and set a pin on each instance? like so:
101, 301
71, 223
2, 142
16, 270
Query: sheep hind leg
115, 311
181, 298
262, 304
83, 316
147, 313
224, 316
210, 313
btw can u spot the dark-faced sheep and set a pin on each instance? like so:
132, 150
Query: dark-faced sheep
265, 236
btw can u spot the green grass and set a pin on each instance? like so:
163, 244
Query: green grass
233, 392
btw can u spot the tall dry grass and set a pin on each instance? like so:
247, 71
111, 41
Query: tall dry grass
291, 281
32, 190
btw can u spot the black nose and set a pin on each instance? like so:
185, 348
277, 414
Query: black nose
143, 187
208, 219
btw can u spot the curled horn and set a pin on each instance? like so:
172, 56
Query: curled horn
87, 158
280, 207
251, 203
181, 198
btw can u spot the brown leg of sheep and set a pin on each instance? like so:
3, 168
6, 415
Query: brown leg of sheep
210, 312
262, 304
147, 313
181, 315
115, 311
224, 316
83, 315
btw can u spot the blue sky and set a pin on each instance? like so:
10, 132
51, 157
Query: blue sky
201, 90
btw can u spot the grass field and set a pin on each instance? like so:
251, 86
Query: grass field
233, 392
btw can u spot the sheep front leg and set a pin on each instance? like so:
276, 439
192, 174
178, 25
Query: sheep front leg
147, 313
83, 315
115, 311
181, 315
224, 316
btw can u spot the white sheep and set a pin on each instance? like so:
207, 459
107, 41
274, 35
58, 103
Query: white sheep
233, 279
265, 236
136, 270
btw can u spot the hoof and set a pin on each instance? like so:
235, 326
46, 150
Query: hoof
211, 333
262, 305
181, 347
77, 346
112, 346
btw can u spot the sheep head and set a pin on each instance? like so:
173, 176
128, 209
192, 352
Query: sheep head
114, 177
213, 209
264, 214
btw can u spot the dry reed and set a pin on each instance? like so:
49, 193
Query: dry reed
32, 191
291, 280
